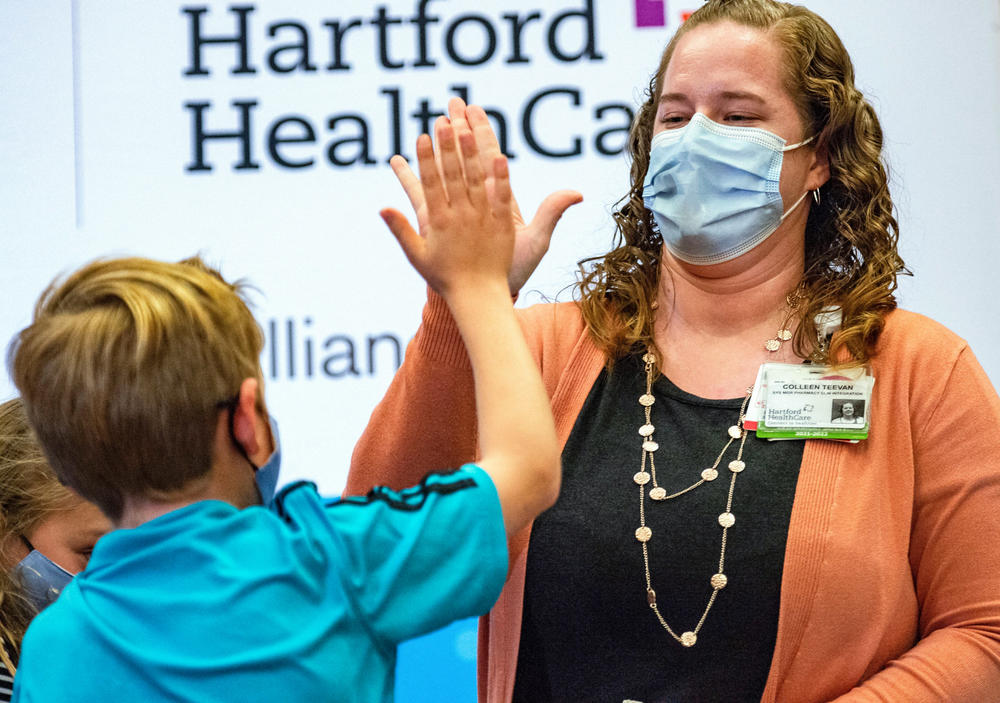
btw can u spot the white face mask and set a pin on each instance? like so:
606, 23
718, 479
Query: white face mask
713, 189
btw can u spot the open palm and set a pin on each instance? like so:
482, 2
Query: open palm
531, 238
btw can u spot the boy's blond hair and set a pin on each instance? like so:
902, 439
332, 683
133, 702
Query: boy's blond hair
124, 369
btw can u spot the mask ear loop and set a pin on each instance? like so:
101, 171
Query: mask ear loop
230, 405
792, 208
789, 147
814, 192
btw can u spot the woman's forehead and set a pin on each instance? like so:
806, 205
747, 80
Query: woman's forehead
725, 57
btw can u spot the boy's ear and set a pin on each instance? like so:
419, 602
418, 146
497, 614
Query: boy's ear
245, 425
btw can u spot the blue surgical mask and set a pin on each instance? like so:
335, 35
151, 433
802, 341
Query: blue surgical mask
266, 475
42, 578
713, 189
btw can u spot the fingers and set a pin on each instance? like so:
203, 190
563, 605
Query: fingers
489, 147
453, 168
456, 115
430, 179
460, 165
552, 208
456, 108
502, 197
474, 178
449, 160
408, 179
411, 243
486, 140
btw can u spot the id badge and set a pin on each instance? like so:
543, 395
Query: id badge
804, 401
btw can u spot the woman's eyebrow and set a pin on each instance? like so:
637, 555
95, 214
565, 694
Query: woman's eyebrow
741, 95
672, 97
725, 95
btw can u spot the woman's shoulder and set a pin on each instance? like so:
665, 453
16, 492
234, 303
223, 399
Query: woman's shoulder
557, 334
909, 333
917, 355
554, 317
553, 307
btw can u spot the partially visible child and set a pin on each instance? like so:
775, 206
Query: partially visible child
143, 382
47, 533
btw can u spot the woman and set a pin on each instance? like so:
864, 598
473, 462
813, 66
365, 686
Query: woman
687, 559
847, 415
47, 533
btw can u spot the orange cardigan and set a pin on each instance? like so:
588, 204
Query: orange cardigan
891, 582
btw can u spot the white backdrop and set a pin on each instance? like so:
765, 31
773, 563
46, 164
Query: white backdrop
98, 102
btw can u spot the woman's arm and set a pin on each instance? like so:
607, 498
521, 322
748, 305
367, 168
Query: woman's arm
427, 419
954, 553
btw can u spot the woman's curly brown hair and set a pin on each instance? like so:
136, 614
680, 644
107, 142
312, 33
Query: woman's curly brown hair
851, 235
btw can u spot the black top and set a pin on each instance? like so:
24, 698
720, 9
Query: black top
588, 633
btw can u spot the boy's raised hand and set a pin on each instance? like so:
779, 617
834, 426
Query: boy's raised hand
531, 238
464, 251
466, 236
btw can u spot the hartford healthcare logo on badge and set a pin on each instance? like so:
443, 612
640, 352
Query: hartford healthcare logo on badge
239, 46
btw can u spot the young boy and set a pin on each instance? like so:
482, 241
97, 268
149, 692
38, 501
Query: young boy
143, 382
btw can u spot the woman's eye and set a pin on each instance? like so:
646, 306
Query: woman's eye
673, 120
739, 118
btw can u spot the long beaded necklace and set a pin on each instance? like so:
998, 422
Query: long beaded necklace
657, 493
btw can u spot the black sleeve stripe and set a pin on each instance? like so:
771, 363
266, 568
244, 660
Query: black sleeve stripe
409, 499
279, 499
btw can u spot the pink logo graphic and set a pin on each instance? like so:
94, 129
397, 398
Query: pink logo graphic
650, 13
